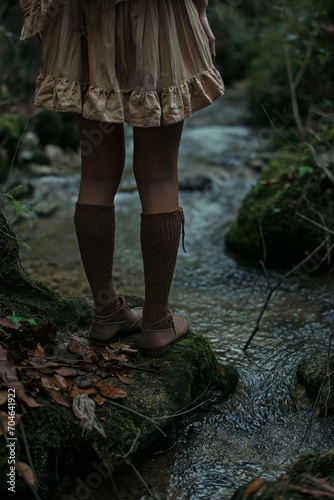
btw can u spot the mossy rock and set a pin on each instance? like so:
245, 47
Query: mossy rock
271, 215
311, 475
316, 374
28, 298
55, 437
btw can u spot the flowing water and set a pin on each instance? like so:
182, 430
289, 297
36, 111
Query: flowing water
260, 429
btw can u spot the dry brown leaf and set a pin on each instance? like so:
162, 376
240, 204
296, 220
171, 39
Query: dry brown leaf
24, 470
46, 382
9, 377
59, 398
123, 378
110, 391
3, 397
38, 351
76, 391
109, 356
46, 370
7, 323
99, 399
118, 346
74, 347
88, 367
254, 485
62, 383
89, 355
66, 372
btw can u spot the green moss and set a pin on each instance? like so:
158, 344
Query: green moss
55, 436
316, 373
192, 365
289, 185
30, 298
306, 473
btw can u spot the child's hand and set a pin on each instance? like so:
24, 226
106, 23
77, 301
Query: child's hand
201, 7
209, 34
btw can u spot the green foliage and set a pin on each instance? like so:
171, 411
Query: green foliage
289, 186
18, 320
294, 37
17, 205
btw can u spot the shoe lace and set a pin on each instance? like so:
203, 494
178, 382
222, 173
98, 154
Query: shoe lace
183, 231
171, 320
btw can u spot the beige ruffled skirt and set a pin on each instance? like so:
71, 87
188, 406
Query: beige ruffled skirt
144, 62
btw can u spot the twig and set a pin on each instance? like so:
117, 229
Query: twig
277, 129
179, 413
141, 478
27, 449
318, 161
293, 94
276, 287
132, 447
315, 223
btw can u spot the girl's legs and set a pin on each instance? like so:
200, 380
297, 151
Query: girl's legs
103, 158
156, 172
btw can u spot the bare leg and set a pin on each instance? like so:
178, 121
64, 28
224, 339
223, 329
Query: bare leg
103, 157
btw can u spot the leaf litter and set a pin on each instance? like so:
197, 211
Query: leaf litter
67, 371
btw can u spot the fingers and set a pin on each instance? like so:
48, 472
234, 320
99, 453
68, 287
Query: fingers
210, 36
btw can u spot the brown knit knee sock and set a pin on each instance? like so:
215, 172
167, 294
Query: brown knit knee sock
95, 229
160, 236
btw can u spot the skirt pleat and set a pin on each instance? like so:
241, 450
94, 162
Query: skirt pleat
143, 62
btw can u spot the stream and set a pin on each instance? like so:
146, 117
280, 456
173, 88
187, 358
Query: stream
260, 430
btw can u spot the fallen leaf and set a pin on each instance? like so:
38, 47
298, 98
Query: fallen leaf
7, 323
46, 382
88, 367
77, 391
254, 486
74, 347
99, 399
59, 398
66, 372
62, 383
38, 351
9, 377
118, 346
25, 471
46, 370
123, 378
110, 391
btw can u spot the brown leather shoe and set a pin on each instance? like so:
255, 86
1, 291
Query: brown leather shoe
158, 338
125, 320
